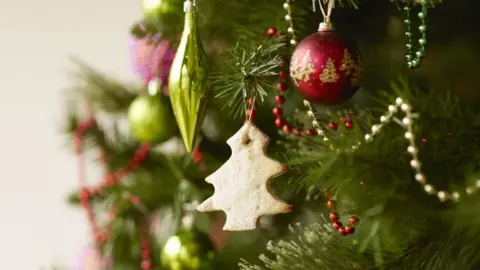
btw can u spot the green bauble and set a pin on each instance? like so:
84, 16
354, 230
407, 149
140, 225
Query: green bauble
188, 250
155, 10
188, 81
150, 120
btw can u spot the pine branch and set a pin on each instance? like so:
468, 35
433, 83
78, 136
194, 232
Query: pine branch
316, 247
447, 253
246, 74
104, 93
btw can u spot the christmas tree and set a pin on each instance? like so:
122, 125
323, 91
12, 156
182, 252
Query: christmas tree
259, 140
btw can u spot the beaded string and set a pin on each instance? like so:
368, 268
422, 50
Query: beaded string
315, 123
337, 225
86, 193
414, 57
407, 123
288, 18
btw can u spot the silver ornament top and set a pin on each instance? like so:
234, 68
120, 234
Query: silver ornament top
326, 26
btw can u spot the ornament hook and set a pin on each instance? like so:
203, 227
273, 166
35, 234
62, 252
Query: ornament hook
326, 25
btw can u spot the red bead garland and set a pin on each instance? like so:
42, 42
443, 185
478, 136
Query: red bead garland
332, 125
279, 99
282, 86
86, 193
337, 225
277, 111
309, 132
279, 122
271, 32
145, 253
287, 128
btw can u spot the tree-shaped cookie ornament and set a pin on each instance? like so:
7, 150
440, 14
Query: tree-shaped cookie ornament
242, 183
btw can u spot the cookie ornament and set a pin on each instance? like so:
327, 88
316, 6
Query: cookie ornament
242, 183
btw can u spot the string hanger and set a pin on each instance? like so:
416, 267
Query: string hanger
326, 7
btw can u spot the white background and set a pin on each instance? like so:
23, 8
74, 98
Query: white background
37, 171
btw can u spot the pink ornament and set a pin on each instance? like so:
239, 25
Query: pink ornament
151, 57
90, 259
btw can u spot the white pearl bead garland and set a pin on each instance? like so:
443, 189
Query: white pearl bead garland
315, 123
413, 151
288, 18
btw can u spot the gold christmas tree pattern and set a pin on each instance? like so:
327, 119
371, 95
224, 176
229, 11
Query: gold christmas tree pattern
329, 73
302, 72
242, 183
358, 71
352, 68
348, 65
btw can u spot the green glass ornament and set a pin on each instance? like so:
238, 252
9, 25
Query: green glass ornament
188, 250
188, 82
149, 119
154, 10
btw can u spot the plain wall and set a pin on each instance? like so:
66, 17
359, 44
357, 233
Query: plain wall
37, 171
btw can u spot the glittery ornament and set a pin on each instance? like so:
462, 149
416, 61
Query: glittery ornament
188, 250
150, 57
325, 68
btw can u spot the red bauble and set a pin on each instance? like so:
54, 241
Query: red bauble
325, 68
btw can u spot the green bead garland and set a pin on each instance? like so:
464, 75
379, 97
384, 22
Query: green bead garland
414, 56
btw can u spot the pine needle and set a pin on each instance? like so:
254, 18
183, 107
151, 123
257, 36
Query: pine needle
246, 74
316, 247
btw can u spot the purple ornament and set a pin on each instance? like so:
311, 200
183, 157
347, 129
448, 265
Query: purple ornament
91, 259
151, 57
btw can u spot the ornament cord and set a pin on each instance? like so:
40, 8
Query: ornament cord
326, 15
252, 107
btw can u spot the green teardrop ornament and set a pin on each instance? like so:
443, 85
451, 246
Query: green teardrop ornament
188, 81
